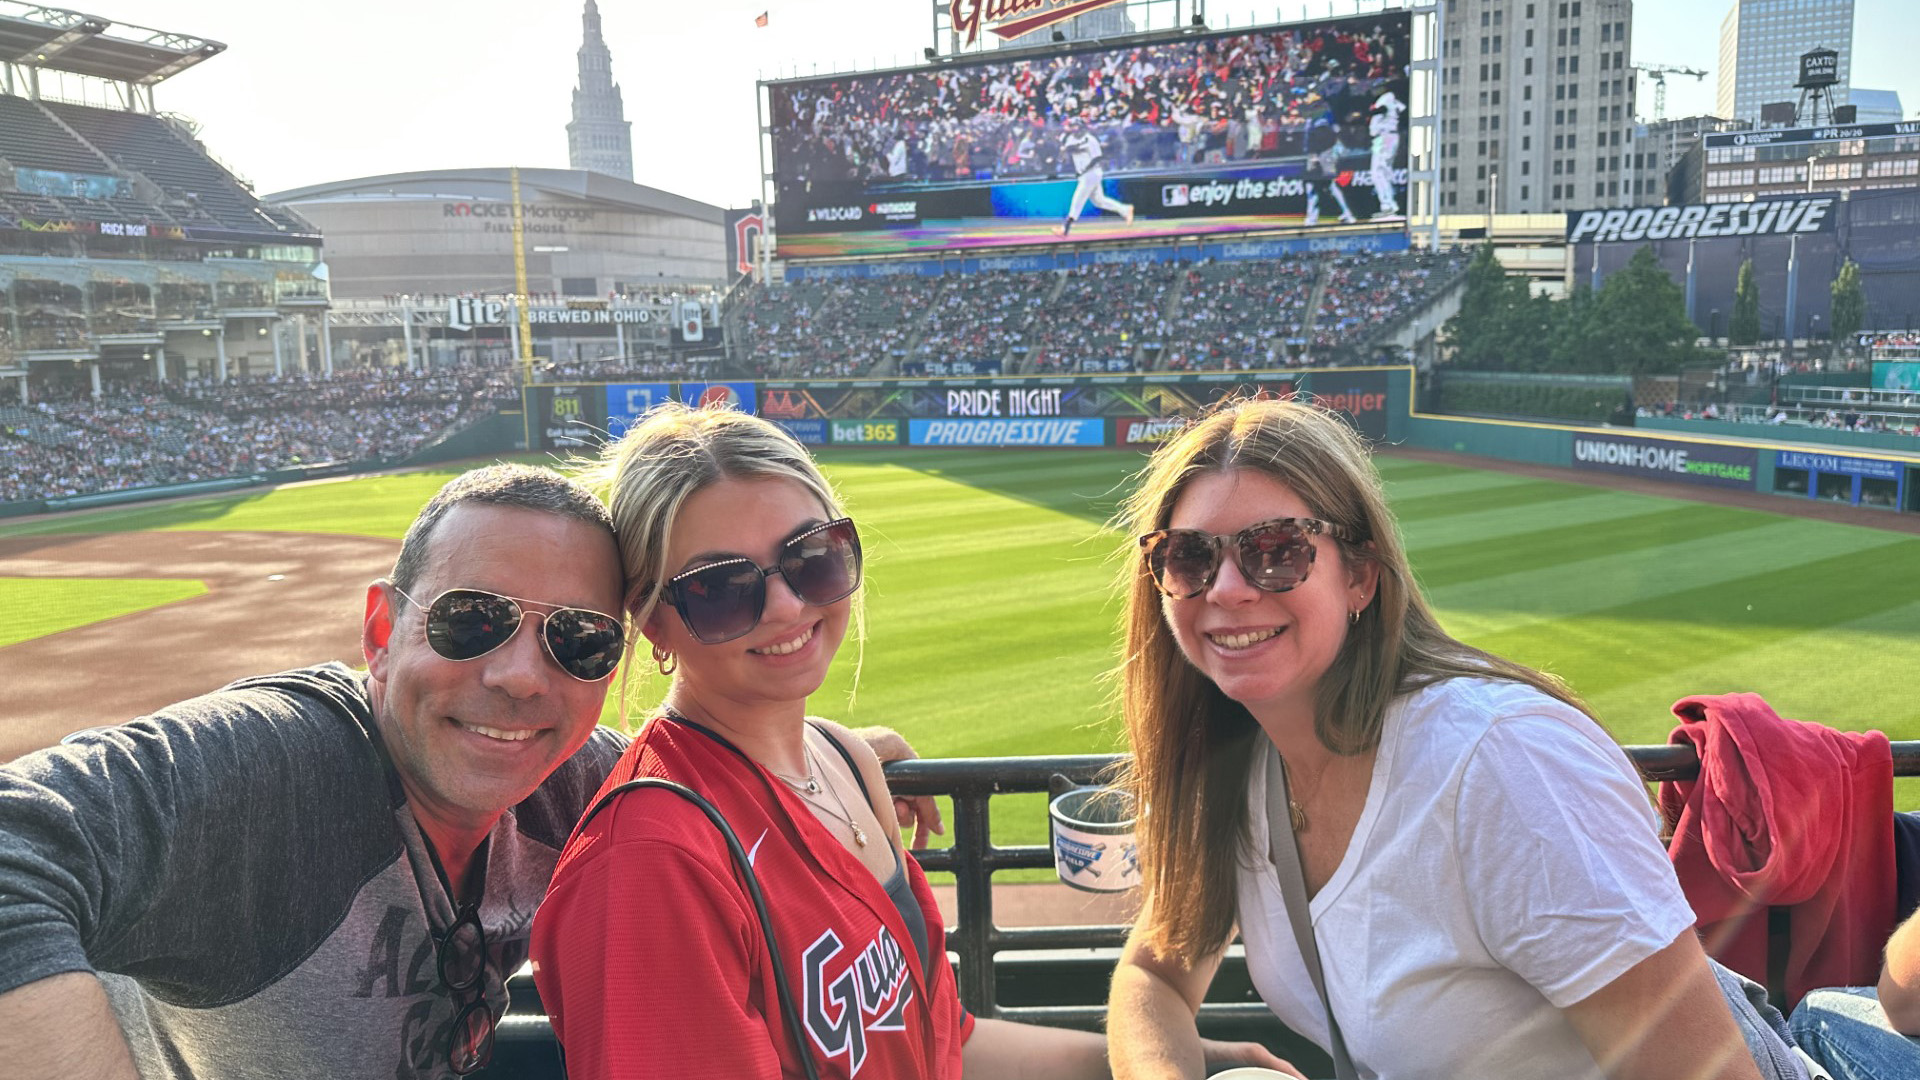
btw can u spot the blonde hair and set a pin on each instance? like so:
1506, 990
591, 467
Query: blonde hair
1193, 747
673, 451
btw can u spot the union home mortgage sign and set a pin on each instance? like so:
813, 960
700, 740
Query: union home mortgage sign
1011, 18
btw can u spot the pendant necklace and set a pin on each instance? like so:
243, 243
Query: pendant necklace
1295, 815
810, 787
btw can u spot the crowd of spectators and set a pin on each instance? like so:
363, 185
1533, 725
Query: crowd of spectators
979, 318
1371, 288
1104, 313
140, 433
1176, 316
830, 329
1153, 106
1238, 316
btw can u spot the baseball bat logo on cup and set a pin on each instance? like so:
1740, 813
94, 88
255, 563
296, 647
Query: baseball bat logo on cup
1093, 846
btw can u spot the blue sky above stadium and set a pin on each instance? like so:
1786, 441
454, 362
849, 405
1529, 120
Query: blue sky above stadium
353, 88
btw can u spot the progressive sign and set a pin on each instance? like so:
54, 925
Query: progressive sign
1771, 217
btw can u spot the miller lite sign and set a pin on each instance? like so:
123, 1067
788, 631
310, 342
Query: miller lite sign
1011, 18
693, 325
467, 312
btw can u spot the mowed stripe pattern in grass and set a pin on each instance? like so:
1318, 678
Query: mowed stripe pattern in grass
992, 621
36, 607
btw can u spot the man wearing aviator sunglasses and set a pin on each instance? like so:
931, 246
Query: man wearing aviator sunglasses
329, 872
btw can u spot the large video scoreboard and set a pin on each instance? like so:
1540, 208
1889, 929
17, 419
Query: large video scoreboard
1293, 126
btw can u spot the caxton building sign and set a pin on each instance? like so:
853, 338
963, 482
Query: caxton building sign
1011, 18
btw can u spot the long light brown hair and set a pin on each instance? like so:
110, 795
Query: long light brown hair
1193, 747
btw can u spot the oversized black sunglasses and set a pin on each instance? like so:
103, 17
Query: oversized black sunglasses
724, 600
1272, 555
460, 954
466, 624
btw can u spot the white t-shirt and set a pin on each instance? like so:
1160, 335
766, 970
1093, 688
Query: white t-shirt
1507, 865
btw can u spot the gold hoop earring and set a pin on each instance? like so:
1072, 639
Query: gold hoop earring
664, 660
1353, 617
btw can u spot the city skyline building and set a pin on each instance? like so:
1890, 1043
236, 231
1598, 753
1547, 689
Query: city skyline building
1761, 42
1539, 107
600, 138
1876, 106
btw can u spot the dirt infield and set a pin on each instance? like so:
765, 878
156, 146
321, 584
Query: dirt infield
273, 601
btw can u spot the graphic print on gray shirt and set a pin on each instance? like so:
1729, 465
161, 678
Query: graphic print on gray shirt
244, 873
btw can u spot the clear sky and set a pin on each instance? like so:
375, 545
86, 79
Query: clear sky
306, 94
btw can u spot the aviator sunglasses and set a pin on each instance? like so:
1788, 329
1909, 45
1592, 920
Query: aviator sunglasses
461, 957
466, 624
1273, 556
724, 600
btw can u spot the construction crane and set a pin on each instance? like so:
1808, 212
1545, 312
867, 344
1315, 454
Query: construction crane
1658, 73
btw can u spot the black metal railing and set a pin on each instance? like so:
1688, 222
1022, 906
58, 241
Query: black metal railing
973, 859
1232, 1010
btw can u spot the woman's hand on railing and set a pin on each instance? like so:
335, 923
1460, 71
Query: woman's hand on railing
917, 812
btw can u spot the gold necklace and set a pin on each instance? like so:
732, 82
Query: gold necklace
1295, 815
813, 767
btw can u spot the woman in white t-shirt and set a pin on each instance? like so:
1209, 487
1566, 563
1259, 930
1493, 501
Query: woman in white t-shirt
1488, 891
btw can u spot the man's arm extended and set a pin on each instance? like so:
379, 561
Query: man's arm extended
61, 1027
1900, 978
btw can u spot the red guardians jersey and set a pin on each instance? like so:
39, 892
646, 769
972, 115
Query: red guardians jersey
651, 961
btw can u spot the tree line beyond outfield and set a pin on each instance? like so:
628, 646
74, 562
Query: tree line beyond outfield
1635, 324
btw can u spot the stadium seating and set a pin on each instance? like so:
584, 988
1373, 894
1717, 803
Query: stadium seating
1106, 317
69, 443
33, 140
198, 190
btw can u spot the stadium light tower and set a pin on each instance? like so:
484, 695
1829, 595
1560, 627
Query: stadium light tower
1658, 73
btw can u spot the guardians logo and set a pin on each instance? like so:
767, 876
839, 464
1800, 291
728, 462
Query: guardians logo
1011, 18
868, 994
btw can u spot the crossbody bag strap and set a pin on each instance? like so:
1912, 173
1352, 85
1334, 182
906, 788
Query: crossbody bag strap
1284, 847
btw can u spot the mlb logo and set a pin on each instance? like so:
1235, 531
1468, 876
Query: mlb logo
1173, 195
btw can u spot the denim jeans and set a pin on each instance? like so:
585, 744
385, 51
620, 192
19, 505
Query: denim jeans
1847, 1031
1761, 1025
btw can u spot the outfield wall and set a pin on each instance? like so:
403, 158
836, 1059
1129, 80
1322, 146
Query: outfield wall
1791, 470
1137, 411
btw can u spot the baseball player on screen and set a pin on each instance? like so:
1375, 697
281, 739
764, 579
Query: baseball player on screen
1083, 148
1384, 126
1323, 158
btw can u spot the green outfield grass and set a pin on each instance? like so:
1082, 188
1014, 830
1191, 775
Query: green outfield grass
990, 616
36, 607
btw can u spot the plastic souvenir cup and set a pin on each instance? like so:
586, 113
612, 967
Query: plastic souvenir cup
1093, 846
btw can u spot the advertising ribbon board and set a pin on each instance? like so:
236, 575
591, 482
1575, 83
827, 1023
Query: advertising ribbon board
1696, 463
567, 417
1058, 432
627, 401
865, 432
1146, 432
739, 395
808, 432
1361, 396
1873, 468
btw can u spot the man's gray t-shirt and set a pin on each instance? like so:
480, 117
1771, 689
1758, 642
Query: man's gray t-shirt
244, 873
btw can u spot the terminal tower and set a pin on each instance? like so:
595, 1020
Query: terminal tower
599, 139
